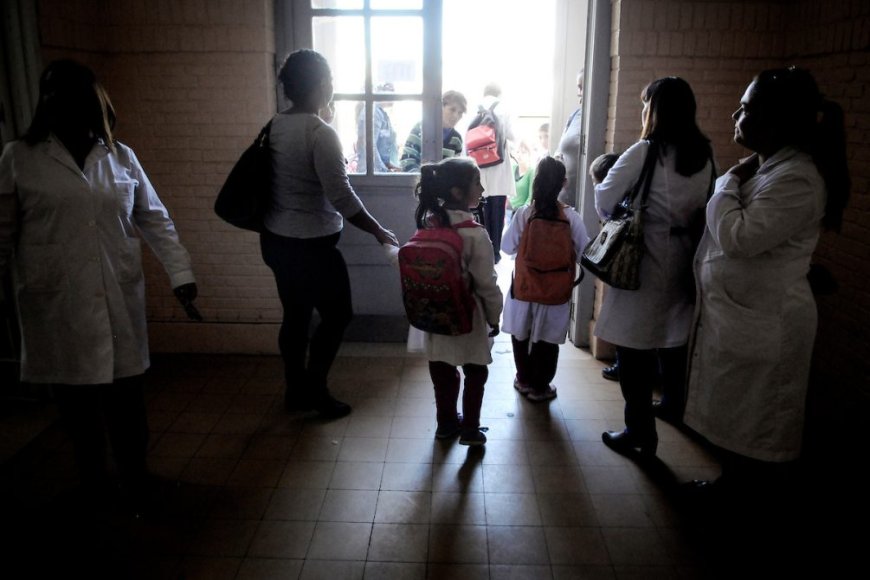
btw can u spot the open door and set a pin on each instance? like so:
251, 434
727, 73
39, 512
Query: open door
596, 93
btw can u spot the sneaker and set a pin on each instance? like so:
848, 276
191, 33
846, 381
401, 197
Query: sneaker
522, 388
450, 430
544, 395
611, 373
472, 437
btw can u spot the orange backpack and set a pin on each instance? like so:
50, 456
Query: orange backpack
546, 261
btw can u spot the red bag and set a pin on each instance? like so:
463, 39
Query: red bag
546, 261
436, 296
483, 140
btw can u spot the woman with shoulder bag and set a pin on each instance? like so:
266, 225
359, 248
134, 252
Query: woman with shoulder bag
650, 325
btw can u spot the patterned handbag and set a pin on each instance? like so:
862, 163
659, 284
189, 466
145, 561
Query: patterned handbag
614, 255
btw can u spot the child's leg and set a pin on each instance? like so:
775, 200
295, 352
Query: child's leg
543, 360
445, 379
472, 395
521, 360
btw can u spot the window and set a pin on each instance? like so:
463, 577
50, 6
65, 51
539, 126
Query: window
382, 54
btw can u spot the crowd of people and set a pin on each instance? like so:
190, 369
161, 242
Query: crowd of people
724, 319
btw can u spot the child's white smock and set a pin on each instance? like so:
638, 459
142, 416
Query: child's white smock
478, 265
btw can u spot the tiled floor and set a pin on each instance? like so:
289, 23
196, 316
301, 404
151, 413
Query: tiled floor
269, 495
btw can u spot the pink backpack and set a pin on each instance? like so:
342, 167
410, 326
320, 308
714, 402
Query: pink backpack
437, 298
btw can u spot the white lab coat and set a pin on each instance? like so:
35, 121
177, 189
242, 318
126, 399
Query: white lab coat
71, 237
756, 318
477, 263
541, 322
659, 313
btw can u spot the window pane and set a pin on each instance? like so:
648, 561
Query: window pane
345, 124
341, 41
397, 54
344, 4
397, 4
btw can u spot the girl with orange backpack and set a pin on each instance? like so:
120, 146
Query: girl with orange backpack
445, 193
547, 238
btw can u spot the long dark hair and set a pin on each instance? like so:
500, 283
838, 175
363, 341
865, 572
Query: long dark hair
790, 102
433, 189
68, 88
670, 120
549, 178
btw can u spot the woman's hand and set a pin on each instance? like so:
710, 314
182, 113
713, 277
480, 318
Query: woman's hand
386, 237
186, 294
494, 330
746, 169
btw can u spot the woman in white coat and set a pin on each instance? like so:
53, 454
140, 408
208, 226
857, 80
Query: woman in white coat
73, 203
650, 326
756, 321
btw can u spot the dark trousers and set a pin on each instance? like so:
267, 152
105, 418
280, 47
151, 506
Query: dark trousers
639, 371
310, 274
535, 367
445, 378
89, 412
493, 221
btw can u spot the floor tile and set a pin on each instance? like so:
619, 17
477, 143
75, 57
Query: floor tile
340, 541
621, 511
394, 571
349, 505
453, 571
517, 545
399, 543
410, 507
325, 570
357, 475
635, 547
520, 572
458, 508
572, 546
566, 509
281, 539
363, 449
307, 474
512, 509
407, 477
295, 504
269, 568
458, 544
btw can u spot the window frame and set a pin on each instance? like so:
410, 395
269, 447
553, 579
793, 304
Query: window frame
293, 30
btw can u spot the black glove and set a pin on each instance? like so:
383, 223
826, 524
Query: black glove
186, 294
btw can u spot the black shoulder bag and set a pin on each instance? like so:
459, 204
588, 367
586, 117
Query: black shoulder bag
245, 195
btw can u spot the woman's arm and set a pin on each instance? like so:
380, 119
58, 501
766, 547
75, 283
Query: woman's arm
778, 211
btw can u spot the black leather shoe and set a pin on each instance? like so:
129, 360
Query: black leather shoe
626, 444
331, 408
610, 373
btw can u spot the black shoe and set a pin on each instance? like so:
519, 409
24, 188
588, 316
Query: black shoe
611, 373
330, 408
627, 444
295, 403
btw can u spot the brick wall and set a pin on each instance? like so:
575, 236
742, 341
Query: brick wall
718, 47
192, 82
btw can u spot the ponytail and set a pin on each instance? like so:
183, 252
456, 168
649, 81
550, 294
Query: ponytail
433, 191
791, 100
829, 155
549, 178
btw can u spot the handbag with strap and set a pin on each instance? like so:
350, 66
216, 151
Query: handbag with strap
244, 197
614, 255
